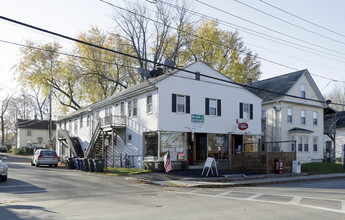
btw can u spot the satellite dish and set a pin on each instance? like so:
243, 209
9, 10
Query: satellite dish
169, 63
144, 72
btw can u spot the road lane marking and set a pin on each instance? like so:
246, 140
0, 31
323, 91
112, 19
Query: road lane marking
254, 196
225, 193
270, 202
295, 200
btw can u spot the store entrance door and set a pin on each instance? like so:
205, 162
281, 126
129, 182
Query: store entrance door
201, 147
237, 144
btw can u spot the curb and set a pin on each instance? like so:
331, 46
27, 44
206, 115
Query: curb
236, 183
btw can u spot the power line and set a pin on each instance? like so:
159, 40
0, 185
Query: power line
289, 67
300, 18
267, 28
258, 34
292, 24
66, 54
176, 68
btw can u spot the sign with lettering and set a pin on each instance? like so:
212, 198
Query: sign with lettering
242, 126
210, 161
198, 122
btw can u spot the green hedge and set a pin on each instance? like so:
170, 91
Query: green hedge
322, 168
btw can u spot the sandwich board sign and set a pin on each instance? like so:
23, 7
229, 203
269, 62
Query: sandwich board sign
210, 161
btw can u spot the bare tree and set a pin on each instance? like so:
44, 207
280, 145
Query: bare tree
4, 106
152, 33
337, 95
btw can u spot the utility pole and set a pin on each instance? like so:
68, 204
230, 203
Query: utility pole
50, 108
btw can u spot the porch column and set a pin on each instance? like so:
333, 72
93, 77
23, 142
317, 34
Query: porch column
112, 147
103, 134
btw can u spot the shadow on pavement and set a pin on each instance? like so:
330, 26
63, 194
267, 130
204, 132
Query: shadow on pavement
8, 211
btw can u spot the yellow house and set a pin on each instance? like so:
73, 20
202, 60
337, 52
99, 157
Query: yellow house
292, 115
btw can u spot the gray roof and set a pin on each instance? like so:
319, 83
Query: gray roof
280, 85
35, 124
147, 85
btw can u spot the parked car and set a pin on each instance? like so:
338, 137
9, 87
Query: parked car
45, 157
3, 168
3, 149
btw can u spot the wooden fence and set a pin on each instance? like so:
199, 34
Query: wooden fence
263, 162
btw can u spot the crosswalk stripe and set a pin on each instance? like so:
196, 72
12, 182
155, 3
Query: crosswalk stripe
295, 200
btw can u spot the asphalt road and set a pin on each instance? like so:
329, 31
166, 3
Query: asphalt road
56, 193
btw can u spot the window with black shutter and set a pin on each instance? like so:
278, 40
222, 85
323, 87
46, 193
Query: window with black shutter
213, 107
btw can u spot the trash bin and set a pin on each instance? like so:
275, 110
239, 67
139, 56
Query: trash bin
296, 166
77, 163
99, 165
86, 165
71, 163
80, 162
91, 165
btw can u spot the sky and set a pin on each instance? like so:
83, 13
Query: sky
287, 35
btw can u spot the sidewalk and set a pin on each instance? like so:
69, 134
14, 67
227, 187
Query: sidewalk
193, 178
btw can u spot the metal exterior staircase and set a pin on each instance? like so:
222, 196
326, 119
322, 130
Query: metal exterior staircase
72, 143
94, 149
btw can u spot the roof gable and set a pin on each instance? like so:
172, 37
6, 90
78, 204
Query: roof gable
280, 85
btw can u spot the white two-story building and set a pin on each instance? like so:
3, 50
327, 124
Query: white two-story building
293, 114
190, 113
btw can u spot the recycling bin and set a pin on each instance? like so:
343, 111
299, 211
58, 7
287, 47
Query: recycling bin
80, 162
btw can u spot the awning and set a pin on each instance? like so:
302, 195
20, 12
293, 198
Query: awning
300, 130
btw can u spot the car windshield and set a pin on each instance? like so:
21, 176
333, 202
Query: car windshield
48, 153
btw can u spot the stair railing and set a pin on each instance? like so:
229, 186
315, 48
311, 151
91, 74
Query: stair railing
93, 140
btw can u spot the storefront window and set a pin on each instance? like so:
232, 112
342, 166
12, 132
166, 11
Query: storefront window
251, 143
217, 146
151, 145
175, 142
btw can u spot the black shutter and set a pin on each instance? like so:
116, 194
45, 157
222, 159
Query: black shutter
251, 111
187, 104
207, 106
241, 110
219, 107
173, 103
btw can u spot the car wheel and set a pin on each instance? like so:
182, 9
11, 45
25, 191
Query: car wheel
32, 163
55, 165
4, 178
37, 164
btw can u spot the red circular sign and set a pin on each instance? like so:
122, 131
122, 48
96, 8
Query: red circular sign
242, 126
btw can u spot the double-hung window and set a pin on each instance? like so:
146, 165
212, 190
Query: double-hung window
303, 113
180, 103
303, 90
149, 104
315, 143
213, 107
135, 108
246, 111
314, 118
132, 108
289, 115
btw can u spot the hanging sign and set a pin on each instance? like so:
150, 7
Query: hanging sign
242, 126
